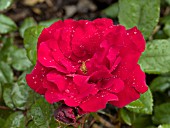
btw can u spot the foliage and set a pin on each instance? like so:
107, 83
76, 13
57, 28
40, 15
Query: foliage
20, 107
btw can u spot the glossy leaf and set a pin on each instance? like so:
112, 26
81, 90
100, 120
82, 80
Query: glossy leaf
20, 94
7, 97
125, 116
164, 126
6, 74
15, 120
147, 100
156, 57
49, 22
141, 13
160, 83
6, 24
166, 29
28, 22
20, 61
41, 113
4, 4
112, 10
162, 114
135, 104
30, 41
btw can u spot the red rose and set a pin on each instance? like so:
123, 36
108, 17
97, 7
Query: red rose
86, 64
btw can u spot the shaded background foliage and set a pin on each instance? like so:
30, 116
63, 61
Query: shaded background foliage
21, 22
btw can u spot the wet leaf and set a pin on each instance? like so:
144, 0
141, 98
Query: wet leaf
28, 22
162, 114
49, 22
4, 4
147, 100
41, 113
112, 10
160, 83
20, 61
6, 74
141, 13
7, 97
15, 120
125, 116
156, 57
6, 24
30, 41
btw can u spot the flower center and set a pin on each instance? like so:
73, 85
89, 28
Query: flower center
83, 67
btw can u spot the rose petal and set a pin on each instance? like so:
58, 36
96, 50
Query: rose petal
83, 86
47, 33
114, 85
36, 78
88, 41
134, 85
53, 96
137, 80
137, 38
126, 66
59, 80
97, 102
46, 59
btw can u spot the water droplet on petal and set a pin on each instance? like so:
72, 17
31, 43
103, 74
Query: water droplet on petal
127, 33
67, 91
134, 32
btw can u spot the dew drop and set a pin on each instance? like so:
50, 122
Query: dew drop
134, 32
33, 77
127, 33
35, 82
67, 91
45, 58
79, 61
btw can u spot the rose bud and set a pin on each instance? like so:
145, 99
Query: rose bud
65, 114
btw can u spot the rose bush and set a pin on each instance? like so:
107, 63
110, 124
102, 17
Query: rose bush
86, 64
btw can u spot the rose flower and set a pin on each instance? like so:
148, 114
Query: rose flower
87, 64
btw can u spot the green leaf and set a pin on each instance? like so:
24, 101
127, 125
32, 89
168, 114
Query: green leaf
112, 10
141, 13
7, 97
2, 121
4, 4
126, 116
41, 113
0, 92
166, 29
20, 61
7, 48
15, 120
6, 74
147, 100
20, 95
6, 24
32, 125
49, 22
162, 114
28, 22
168, 2
143, 121
165, 19
135, 104
164, 126
156, 57
160, 83
30, 41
